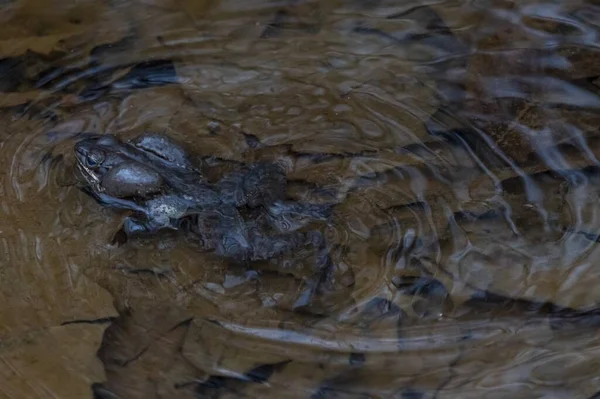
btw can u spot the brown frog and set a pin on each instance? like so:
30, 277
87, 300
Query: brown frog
244, 216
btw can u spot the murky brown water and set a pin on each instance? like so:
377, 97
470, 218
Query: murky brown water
459, 137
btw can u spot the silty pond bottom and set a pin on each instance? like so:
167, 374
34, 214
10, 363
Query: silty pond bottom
455, 142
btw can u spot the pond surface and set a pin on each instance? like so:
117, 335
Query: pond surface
458, 140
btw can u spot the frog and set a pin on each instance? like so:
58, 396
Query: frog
244, 216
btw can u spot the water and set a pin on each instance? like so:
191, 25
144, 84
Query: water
460, 139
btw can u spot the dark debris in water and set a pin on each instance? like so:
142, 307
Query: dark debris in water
33, 74
148, 74
559, 317
216, 385
21, 73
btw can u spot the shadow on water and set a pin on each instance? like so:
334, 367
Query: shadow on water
433, 231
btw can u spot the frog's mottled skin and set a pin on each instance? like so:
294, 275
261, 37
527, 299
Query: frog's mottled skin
153, 176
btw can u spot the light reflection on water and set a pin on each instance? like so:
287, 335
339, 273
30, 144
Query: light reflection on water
459, 140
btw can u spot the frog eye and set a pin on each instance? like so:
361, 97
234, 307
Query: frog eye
94, 158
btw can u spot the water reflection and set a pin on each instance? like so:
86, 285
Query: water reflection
458, 142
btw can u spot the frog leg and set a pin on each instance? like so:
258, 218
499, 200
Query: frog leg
112, 202
260, 184
314, 284
264, 184
223, 230
231, 189
272, 247
133, 226
321, 280
244, 242
268, 246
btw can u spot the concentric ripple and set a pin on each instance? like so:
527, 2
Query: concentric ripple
459, 142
